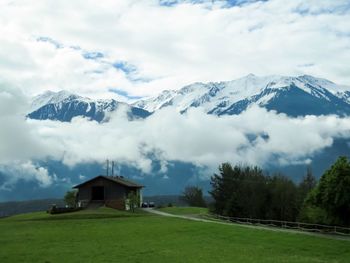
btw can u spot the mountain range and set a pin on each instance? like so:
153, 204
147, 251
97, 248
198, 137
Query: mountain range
294, 96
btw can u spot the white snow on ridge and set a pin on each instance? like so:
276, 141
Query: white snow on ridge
229, 92
214, 97
58, 99
50, 97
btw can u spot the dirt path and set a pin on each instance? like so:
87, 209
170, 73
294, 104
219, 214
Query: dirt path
193, 218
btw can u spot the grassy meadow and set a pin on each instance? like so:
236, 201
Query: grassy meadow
107, 235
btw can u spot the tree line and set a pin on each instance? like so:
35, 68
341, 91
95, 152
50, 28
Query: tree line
245, 191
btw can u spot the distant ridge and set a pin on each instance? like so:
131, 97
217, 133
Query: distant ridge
64, 106
294, 96
20, 207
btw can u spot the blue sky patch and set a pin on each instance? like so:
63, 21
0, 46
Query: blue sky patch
305, 10
51, 41
130, 71
124, 94
125, 67
226, 3
92, 55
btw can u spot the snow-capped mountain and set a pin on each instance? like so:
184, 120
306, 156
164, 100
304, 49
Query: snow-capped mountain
295, 96
63, 106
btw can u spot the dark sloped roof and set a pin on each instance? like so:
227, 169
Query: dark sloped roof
116, 179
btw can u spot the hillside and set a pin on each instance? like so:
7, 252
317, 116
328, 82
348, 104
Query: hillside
108, 235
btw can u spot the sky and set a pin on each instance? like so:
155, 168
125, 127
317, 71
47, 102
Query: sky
137, 48
133, 49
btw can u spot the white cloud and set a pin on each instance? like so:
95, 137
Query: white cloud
171, 46
26, 171
256, 137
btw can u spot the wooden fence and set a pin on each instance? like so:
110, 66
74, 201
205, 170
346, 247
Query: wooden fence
325, 229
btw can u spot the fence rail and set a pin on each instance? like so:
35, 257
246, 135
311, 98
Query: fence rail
325, 229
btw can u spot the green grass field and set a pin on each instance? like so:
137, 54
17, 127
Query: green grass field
107, 235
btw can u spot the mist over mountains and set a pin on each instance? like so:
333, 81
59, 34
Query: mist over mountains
179, 137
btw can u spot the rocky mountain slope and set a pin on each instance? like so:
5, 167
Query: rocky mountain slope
63, 106
294, 96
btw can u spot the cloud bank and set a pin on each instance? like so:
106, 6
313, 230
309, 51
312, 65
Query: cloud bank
256, 137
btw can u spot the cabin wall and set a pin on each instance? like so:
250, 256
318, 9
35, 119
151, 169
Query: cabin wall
114, 194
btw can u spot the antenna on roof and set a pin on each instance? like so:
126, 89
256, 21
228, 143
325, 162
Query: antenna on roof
107, 167
112, 168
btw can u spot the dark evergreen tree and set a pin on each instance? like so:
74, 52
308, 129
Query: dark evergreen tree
246, 192
305, 186
239, 191
308, 183
282, 203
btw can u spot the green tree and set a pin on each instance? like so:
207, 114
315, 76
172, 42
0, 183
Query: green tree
239, 191
282, 203
332, 194
70, 198
133, 200
244, 191
306, 185
193, 196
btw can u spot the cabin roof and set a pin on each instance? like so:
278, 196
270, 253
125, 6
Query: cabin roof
116, 179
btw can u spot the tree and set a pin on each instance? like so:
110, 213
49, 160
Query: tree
244, 191
222, 188
282, 203
133, 200
239, 191
70, 198
307, 184
304, 188
193, 196
332, 194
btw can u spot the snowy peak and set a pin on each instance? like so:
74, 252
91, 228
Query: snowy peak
64, 105
292, 95
51, 97
233, 97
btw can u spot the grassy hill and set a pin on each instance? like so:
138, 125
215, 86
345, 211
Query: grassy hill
107, 235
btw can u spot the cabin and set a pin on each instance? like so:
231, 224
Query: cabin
111, 191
